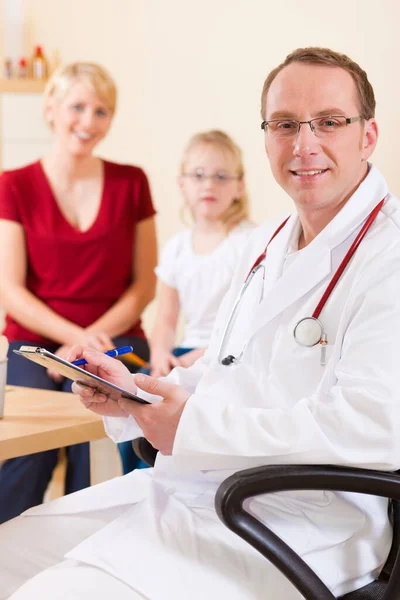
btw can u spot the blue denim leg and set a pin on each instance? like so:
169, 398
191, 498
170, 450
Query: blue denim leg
181, 351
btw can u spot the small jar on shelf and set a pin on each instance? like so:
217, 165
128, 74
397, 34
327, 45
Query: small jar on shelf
22, 68
8, 68
39, 64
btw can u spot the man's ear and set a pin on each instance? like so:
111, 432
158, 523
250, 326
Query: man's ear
369, 138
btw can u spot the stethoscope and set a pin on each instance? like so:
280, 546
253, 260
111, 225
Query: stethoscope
309, 331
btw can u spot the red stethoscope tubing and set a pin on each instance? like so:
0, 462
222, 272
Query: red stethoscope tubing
360, 236
264, 254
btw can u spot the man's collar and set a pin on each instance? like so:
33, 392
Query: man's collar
368, 194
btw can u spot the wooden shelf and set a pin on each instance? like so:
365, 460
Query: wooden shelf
22, 86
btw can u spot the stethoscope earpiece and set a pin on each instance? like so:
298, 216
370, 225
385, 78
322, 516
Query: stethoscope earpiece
228, 360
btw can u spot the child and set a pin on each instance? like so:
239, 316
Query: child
196, 265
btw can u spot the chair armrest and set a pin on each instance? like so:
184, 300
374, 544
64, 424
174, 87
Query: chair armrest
144, 450
277, 478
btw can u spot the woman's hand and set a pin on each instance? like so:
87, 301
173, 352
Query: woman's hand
107, 368
96, 340
62, 352
162, 362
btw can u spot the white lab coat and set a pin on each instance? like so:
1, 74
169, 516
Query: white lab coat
278, 406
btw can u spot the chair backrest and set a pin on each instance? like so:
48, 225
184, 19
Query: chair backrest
232, 493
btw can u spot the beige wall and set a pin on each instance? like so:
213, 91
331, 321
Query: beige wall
185, 65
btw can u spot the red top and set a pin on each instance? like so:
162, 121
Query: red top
79, 275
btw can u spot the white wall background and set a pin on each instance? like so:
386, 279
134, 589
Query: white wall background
185, 65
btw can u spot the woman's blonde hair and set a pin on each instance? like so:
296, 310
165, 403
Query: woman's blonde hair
102, 83
215, 138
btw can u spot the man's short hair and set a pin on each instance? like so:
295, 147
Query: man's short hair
328, 58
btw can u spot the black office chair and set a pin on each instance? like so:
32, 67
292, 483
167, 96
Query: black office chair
277, 478
144, 450
264, 480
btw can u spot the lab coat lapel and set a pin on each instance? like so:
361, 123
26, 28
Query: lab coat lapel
276, 253
314, 263
369, 193
284, 288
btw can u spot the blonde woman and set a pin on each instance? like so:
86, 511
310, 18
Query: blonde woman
196, 265
77, 258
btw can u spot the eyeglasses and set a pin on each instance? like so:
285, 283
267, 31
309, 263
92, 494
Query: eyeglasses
220, 177
321, 126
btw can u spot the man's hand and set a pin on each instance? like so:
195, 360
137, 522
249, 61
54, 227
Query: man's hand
158, 421
97, 341
107, 368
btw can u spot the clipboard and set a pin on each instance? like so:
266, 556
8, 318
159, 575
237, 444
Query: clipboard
46, 359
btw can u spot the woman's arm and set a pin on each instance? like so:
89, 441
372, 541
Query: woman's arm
127, 310
164, 331
19, 302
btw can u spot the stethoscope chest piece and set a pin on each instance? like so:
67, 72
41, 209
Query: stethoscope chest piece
308, 332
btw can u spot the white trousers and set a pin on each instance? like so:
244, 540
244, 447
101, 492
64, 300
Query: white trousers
32, 566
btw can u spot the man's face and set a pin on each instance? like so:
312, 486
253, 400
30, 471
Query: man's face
318, 172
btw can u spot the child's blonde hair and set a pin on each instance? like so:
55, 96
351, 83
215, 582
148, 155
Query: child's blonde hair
239, 208
102, 83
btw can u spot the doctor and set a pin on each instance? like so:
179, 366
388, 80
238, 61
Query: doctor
278, 399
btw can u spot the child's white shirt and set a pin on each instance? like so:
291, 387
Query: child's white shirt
201, 280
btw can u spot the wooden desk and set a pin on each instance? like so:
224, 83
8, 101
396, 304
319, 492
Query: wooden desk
36, 420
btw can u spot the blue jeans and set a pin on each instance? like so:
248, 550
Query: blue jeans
129, 459
24, 480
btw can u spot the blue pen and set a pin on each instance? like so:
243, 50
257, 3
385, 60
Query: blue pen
114, 352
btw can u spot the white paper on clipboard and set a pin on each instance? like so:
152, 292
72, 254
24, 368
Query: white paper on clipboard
48, 360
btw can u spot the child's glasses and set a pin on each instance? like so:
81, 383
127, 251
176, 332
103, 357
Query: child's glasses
220, 177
